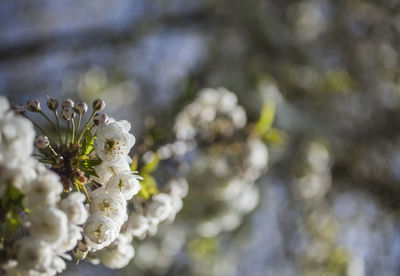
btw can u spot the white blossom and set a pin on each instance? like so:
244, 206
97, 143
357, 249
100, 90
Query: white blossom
118, 254
113, 141
74, 234
160, 208
110, 204
126, 183
4, 106
16, 139
34, 254
44, 190
137, 225
49, 224
99, 231
74, 207
105, 170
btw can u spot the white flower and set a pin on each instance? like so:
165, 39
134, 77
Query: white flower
239, 117
4, 106
227, 101
117, 255
74, 207
113, 141
16, 139
105, 170
258, 154
99, 231
137, 225
74, 234
247, 200
49, 224
178, 187
124, 182
110, 204
57, 266
44, 190
160, 208
34, 254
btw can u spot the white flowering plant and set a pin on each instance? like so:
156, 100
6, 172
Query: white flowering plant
72, 192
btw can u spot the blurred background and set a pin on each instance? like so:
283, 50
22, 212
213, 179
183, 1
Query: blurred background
329, 201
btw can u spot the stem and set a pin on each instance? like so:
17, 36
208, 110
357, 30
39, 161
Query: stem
66, 135
79, 125
58, 126
86, 193
73, 131
37, 126
53, 151
77, 186
86, 125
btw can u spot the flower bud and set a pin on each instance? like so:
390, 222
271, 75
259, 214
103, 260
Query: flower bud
81, 108
19, 109
52, 103
99, 105
67, 103
82, 246
79, 254
100, 118
42, 142
33, 105
68, 113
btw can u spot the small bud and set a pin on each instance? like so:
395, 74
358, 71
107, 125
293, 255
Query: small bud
68, 113
67, 103
83, 246
19, 109
33, 105
79, 254
42, 142
52, 103
100, 118
81, 108
99, 105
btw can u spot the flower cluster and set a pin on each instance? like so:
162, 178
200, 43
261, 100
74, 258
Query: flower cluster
73, 196
116, 184
164, 206
230, 158
26, 184
214, 113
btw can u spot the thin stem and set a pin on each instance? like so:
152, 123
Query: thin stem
58, 125
53, 151
66, 135
73, 131
86, 125
37, 126
47, 118
77, 186
79, 125
86, 193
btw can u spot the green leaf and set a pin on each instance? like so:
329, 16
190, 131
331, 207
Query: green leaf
148, 187
88, 170
275, 136
87, 144
134, 164
266, 119
150, 166
13, 222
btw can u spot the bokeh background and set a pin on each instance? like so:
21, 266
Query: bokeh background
331, 196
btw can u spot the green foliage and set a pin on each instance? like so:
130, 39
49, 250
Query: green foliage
148, 186
151, 165
266, 119
87, 144
204, 248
